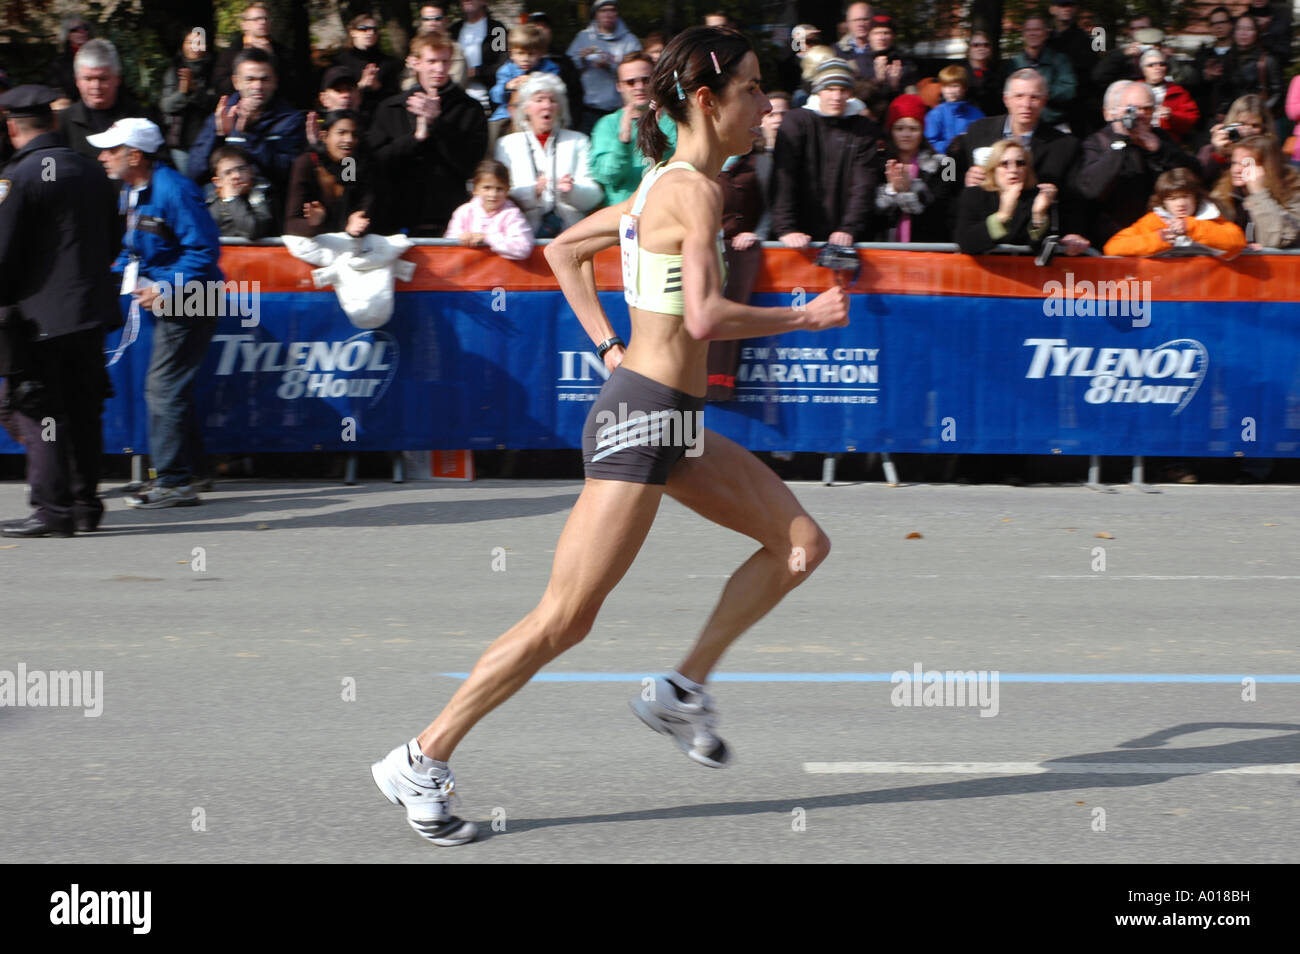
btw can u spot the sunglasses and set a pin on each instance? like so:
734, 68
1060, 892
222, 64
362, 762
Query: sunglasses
432, 19
365, 29
1013, 163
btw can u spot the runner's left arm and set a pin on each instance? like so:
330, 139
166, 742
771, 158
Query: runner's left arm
570, 256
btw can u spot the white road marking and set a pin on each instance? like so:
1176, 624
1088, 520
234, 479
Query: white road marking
1049, 768
1117, 576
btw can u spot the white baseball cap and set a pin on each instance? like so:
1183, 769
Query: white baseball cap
134, 132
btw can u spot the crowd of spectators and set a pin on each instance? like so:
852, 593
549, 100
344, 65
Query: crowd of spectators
869, 143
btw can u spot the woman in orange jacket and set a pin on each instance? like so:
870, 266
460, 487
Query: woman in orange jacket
1180, 215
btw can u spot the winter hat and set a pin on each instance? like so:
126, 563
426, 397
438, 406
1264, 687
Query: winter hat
834, 72
906, 106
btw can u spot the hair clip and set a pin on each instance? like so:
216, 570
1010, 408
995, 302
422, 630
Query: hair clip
716, 67
681, 93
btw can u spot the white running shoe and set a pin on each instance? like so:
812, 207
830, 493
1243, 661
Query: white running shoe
427, 799
688, 717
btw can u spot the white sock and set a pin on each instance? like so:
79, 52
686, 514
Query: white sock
423, 762
689, 685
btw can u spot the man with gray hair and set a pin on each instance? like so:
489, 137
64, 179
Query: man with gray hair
1122, 160
1053, 153
104, 100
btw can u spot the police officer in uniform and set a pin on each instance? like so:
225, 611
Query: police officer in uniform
59, 234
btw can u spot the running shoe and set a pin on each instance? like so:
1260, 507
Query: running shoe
158, 496
426, 798
688, 717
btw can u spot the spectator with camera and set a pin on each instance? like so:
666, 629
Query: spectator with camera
1122, 161
1246, 117
822, 180
1008, 206
1261, 194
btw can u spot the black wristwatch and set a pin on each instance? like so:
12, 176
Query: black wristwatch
607, 344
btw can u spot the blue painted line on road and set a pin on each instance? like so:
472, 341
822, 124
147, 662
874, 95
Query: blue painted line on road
1031, 677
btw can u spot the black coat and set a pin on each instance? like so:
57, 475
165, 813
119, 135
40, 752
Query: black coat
985, 89
930, 224
59, 236
822, 180
1251, 71
426, 180
973, 210
1053, 153
1118, 183
79, 121
390, 75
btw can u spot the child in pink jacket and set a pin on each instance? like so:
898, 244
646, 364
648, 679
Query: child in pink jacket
490, 219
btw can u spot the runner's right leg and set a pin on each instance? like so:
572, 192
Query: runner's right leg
600, 540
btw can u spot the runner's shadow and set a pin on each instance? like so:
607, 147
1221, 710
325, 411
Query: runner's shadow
1275, 750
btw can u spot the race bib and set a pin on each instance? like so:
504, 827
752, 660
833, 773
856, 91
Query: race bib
627, 240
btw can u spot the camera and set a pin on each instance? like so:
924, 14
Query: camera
1233, 132
841, 258
1130, 117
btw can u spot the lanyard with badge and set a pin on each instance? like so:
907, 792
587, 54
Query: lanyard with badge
131, 273
551, 224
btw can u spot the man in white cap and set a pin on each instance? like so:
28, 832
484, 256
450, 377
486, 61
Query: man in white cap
170, 237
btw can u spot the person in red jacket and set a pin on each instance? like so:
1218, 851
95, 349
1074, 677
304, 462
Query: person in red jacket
1180, 215
1176, 111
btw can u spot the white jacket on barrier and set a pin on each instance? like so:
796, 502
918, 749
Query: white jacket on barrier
361, 270
565, 154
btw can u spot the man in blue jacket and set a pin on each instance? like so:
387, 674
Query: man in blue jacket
171, 248
257, 121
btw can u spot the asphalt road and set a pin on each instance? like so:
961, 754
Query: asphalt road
224, 709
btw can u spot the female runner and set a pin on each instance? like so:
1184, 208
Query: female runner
707, 80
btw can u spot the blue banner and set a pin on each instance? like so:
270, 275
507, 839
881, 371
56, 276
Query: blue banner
911, 373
